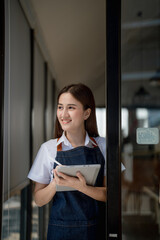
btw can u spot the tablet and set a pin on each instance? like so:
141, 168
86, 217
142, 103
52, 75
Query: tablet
90, 173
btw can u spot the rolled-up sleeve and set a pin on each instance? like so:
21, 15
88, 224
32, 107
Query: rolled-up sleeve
40, 170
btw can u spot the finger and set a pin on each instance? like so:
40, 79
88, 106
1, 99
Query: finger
56, 175
58, 179
55, 172
80, 176
57, 167
64, 176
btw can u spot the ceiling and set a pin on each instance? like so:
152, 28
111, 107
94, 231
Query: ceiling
73, 33
140, 52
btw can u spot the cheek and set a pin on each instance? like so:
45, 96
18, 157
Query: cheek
79, 117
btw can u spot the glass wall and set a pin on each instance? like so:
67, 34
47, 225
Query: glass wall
101, 121
140, 102
23, 108
35, 221
11, 218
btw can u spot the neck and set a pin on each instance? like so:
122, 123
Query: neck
76, 139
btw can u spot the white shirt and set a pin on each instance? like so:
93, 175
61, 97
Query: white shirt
41, 170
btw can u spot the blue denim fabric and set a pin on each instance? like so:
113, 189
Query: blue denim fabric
74, 215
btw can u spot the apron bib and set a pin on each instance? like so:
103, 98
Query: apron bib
74, 215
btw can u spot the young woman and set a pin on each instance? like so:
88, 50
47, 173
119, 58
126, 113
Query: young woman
79, 214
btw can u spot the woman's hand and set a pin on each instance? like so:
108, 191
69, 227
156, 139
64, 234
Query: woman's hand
78, 183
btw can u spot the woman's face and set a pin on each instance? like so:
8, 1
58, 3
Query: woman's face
71, 114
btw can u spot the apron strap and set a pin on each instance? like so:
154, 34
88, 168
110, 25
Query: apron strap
94, 141
59, 146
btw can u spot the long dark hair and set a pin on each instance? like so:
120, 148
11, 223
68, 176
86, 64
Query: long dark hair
84, 95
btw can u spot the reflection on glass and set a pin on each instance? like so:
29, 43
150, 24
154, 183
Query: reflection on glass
11, 218
35, 219
140, 182
46, 218
142, 117
124, 122
141, 99
101, 121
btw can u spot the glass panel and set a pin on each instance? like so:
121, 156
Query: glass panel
35, 221
11, 218
101, 121
140, 109
46, 217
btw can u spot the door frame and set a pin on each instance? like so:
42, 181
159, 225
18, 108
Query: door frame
113, 118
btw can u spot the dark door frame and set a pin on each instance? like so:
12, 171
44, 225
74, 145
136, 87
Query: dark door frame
113, 84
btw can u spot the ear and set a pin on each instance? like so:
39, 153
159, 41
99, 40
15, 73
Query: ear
87, 113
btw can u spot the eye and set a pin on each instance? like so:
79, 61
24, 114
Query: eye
59, 107
71, 108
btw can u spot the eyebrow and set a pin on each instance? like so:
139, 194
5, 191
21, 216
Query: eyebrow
70, 104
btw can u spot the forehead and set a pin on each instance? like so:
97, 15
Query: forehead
67, 98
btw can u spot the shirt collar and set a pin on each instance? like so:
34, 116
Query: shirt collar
67, 143
64, 140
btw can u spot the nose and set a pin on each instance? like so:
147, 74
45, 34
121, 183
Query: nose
65, 113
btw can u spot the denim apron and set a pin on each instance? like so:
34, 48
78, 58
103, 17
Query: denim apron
74, 215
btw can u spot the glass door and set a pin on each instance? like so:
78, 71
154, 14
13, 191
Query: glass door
140, 115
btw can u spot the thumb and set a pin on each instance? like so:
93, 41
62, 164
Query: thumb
81, 177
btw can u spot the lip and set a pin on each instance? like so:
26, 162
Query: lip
65, 121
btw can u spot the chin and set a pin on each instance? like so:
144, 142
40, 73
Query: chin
66, 128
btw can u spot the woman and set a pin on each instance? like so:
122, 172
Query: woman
75, 214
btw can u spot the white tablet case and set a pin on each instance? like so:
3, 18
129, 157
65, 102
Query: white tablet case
90, 173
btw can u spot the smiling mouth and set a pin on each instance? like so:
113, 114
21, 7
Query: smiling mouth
65, 121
